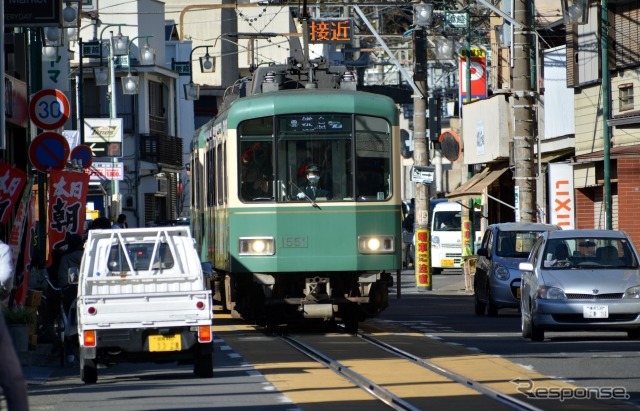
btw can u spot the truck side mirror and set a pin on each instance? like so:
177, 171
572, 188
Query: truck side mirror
72, 275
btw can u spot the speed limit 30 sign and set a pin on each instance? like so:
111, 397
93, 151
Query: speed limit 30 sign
49, 109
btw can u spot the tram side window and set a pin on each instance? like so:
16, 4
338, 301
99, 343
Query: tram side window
373, 159
219, 175
256, 159
210, 173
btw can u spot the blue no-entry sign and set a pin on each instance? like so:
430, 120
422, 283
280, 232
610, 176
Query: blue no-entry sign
49, 151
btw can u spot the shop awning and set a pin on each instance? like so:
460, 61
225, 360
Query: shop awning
475, 186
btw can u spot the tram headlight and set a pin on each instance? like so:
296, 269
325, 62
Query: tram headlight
256, 246
376, 244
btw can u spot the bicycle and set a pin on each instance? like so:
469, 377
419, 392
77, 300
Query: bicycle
61, 321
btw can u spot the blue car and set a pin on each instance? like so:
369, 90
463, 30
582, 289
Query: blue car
497, 279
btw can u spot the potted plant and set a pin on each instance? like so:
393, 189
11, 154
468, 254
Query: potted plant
18, 320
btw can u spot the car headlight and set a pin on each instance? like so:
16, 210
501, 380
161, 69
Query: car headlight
376, 244
551, 293
256, 246
435, 241
632, 292
501, 272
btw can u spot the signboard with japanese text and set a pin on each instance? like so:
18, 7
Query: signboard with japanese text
458, 20
17, 231
12, 180
67, 201
478, 71
55, 74
30, 245
330, 30
423, 258
91, 49
106, 171
183, 68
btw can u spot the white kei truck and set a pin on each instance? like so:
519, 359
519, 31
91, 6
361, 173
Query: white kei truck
143, 297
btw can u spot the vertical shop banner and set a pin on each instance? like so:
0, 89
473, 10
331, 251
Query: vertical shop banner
423, 258
561, 197
12, 181
67, 204
29, 252
17, 231
478, 71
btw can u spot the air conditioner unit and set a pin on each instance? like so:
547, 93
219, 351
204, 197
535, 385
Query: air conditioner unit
162, 185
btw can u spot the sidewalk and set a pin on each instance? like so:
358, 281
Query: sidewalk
39, 363
450, 282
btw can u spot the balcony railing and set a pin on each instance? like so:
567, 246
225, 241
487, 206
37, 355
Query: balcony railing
161, 149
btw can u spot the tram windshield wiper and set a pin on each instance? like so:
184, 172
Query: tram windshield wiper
304, 194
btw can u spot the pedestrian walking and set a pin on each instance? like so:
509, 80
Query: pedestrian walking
12, 381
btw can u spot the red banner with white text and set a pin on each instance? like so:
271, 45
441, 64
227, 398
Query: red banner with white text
67, 205
12, 181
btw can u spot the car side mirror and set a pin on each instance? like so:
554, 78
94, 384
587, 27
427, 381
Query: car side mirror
73, 275
482, 252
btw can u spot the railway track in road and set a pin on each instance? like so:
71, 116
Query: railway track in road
390, 366
387, 396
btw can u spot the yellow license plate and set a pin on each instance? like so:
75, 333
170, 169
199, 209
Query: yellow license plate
165, 342
447, 263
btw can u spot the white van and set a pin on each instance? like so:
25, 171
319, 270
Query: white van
446, 235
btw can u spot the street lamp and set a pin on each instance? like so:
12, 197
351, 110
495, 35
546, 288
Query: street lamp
52, 41
101, 75
207, 65
130, 84
70, 19
423, 13
444, 48
118, 46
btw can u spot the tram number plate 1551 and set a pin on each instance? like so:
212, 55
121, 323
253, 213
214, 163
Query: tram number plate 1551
294, 242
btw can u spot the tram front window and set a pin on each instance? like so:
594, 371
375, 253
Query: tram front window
318, 157
330, 143
314, 157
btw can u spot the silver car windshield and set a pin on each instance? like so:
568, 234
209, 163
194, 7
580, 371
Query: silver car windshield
515, 244
588, 253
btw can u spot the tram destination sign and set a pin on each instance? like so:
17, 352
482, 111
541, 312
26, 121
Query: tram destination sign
32, 13
317, 123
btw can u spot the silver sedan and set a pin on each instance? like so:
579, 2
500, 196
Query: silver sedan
581, 280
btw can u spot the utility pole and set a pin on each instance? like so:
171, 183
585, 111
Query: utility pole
422, 259
523, 113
